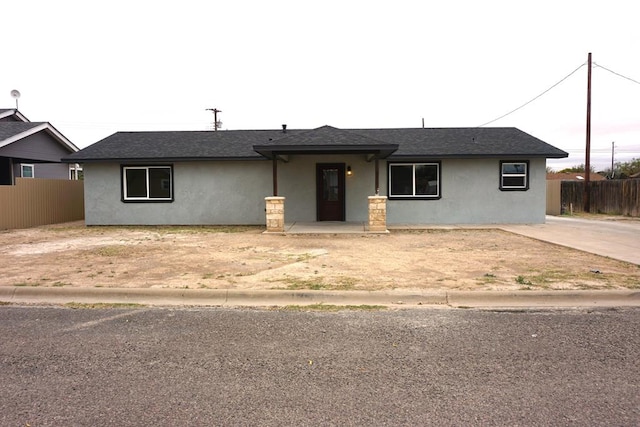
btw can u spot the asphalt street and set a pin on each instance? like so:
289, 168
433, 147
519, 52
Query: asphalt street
223, 366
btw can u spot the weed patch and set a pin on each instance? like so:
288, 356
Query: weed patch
314, 284
113, 250
60, 284
318, 283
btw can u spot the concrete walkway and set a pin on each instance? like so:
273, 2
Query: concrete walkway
325, 227
617, 239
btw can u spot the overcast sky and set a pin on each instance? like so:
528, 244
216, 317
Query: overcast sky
95, 68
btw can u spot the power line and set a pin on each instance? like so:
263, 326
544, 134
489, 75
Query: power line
529, 102
617, 74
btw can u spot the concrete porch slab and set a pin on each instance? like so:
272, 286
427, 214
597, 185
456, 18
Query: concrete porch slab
329, 227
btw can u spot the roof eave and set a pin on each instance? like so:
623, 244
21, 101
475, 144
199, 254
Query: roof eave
130, 160
480, 156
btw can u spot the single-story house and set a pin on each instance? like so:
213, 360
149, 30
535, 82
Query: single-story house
32, 149
421, 175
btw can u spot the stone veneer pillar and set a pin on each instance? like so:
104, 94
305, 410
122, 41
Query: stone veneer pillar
275, 214
378, 213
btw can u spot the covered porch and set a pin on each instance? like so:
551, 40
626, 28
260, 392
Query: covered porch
338, 201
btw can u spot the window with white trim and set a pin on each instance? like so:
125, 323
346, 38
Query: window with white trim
26, 171
514, 175
147, 183
414, 180
75, 172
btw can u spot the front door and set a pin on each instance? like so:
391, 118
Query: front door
330, 191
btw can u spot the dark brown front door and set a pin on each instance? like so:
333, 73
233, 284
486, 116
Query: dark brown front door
330, 191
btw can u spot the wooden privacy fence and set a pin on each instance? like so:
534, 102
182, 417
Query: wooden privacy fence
614, 197
554, 201
32, 202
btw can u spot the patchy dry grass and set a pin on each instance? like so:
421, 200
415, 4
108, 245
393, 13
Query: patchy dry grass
318, 283
112, 250
240, 257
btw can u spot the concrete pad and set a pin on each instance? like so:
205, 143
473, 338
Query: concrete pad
325, 227
614, 239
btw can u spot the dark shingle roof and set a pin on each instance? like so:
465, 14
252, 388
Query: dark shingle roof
177, 145
9, 129
242, 144
326, 139
464, 142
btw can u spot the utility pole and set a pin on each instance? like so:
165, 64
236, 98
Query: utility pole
587, 159
216, 123
613, 147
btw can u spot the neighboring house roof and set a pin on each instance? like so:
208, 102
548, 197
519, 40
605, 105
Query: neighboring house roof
256, 144
574, 176
13, 114
11, 132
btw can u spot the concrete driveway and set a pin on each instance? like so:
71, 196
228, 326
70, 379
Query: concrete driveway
617, 239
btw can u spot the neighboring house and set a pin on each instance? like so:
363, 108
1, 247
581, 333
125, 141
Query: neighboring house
32, 149
574, 176
430, 176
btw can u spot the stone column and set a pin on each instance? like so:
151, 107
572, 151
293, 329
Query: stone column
275, 214
378, 214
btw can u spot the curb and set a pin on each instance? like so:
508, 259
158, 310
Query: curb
261, 298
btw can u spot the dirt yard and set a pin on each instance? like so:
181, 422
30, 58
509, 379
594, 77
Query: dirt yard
73, 255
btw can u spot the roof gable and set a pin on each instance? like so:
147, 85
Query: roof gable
11, 114
11, 132
325, 139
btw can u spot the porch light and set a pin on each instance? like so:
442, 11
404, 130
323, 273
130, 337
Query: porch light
349, 171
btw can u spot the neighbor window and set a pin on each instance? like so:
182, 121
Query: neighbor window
514, 175
75, 172
26, 171
147, 183
414, 180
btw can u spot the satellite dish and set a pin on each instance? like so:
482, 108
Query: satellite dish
15, 94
